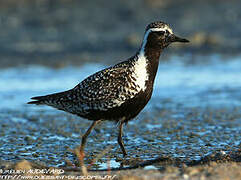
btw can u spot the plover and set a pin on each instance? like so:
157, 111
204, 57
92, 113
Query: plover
117, 93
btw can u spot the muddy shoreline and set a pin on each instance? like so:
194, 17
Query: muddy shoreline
149, 157
215, 166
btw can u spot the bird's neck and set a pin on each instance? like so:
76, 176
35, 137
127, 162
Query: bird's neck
151, 54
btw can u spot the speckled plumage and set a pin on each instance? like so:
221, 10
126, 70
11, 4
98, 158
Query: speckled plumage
121, 91
102, 91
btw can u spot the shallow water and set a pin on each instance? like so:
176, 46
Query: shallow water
194, 111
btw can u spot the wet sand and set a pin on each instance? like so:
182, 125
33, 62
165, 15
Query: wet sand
172, 142
216, 166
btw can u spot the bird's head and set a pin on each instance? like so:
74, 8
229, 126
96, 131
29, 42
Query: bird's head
160, 35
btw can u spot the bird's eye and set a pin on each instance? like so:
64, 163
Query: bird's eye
160, 33
167, 32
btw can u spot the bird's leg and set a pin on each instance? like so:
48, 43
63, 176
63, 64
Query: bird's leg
120, 141
84, 137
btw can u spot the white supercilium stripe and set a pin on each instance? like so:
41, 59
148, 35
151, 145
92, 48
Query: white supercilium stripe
152, 30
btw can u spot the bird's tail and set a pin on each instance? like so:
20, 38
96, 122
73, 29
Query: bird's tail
38, 100
50, 99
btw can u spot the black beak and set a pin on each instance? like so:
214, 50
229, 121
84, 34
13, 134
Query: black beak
175, 38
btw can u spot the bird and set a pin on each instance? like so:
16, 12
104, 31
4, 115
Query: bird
117, 93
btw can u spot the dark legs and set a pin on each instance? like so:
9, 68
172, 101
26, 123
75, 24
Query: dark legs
84, 137
120, 141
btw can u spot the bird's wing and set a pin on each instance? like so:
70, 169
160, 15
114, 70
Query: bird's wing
105, 89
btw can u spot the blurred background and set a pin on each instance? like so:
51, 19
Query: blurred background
67, 32
48, 46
